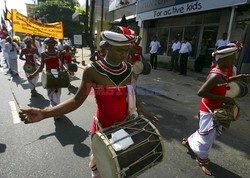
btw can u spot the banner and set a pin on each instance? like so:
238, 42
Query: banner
23, 24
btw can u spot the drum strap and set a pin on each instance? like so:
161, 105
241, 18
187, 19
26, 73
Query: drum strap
98, 124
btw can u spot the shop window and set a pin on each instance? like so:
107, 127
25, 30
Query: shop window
151, 32
162, 37
193, 33
208, 44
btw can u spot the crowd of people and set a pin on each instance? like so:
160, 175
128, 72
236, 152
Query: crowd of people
36, 55
113, 72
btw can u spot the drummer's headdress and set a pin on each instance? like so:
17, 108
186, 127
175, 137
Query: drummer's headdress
224, 51
119, 36
27, 38
50, 40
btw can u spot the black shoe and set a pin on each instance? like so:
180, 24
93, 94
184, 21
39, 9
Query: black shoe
180, 74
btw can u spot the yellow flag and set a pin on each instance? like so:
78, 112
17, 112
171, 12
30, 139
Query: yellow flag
8, 15
23, 24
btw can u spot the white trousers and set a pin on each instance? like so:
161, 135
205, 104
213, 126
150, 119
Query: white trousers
54, 95
202, 140
13, 65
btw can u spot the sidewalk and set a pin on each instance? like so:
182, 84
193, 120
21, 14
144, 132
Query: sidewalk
175, 87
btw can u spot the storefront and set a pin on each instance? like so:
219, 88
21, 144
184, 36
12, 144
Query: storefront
202, 22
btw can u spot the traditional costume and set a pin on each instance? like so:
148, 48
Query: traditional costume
31, 60
68, 60
52, 61
114, 103
202, 140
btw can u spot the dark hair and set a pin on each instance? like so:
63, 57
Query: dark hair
225, 33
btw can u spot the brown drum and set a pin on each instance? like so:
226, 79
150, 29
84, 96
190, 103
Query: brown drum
49, 81
29, 68
146, 151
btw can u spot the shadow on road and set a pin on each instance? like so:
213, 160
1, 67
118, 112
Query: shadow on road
69, 134
39, 101
222, 172
72, 89
2, 148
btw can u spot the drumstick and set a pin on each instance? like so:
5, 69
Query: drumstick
13, 93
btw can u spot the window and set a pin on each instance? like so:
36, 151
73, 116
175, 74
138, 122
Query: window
193, 34
162, 37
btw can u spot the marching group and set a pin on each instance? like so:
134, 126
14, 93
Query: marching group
116, 75
36, 56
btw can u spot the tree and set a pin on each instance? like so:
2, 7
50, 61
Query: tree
61, 10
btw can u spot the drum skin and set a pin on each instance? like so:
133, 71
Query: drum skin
147, 151
29, 68
237, 89
138, 67
142, 67
49, 81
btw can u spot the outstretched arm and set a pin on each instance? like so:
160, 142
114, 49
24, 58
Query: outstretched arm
35, 115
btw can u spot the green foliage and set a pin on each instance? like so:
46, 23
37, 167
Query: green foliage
61, 10
80, 9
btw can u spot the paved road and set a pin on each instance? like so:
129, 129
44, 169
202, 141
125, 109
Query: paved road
61, 149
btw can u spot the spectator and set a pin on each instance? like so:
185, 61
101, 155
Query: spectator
154, 47
186, 48
175, 54
222, 42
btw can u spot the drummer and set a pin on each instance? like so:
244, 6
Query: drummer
111, 80
52, 60
29, 52
213, 92
135, 55
67, 58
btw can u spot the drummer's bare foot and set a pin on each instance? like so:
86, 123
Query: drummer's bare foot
186, 144
204, 164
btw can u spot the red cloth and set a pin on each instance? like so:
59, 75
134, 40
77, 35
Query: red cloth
29, 55
136, 57
216, 90
52, 62
67, 57
228, 71
111, 106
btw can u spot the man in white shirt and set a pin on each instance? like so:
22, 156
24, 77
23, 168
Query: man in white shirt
175, 54
186, 48
222, 42
60, 46
11, 48
154, 46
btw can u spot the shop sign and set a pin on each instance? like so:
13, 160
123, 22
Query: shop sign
117, 4
190, 7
